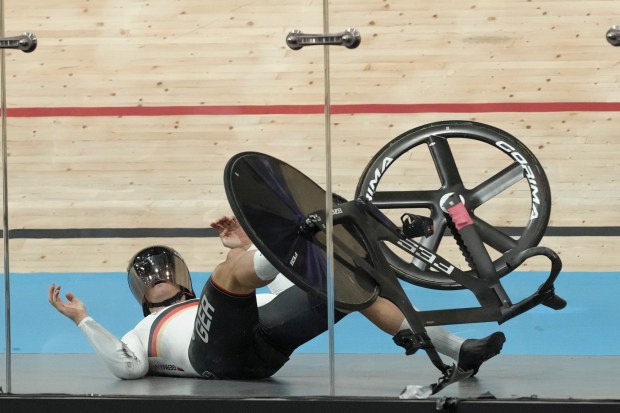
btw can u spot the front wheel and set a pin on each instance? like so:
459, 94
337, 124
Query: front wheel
499, 179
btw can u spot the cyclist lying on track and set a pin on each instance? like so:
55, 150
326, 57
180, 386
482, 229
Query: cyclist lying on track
230, 332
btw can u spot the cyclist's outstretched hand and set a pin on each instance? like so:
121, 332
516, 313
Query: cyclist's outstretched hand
231, 233
74, 308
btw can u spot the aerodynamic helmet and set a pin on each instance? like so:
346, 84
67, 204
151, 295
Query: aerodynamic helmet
153, 265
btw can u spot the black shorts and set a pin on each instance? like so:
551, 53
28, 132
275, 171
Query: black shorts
234, 339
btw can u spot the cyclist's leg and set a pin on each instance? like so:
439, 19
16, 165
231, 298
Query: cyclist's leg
469, 353
293, 318
243, 271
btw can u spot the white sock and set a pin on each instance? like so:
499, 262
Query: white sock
263, 268
445, 342
279, 284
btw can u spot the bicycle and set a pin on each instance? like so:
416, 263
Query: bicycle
283, 213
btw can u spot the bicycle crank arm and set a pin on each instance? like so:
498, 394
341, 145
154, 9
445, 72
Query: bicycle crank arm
27, 42
350, 39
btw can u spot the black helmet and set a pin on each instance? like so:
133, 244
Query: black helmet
157, 264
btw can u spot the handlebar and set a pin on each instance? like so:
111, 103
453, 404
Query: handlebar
545, 294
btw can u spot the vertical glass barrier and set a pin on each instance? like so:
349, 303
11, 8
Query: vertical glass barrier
421, 63
5, 364
121, 124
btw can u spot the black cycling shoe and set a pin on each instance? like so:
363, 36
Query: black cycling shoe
474, 352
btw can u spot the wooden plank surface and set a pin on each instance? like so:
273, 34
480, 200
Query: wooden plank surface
166, 171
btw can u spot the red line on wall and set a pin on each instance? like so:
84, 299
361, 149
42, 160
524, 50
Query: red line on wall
314, 109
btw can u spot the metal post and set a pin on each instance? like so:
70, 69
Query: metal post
25, 42
5, 213
296, 40
328, 207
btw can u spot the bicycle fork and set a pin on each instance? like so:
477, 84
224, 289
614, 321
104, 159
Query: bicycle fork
494, 293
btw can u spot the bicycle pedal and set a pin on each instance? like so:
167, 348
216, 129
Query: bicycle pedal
415, 226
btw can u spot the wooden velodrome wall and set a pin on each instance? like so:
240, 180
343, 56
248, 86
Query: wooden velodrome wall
127, 112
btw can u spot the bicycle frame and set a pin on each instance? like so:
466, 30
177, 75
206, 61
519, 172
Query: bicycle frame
372, 227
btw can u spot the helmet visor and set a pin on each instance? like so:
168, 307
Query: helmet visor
154, 265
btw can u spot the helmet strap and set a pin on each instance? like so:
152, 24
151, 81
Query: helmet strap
167, 302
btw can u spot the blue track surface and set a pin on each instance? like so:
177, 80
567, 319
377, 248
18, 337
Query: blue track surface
587, 326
